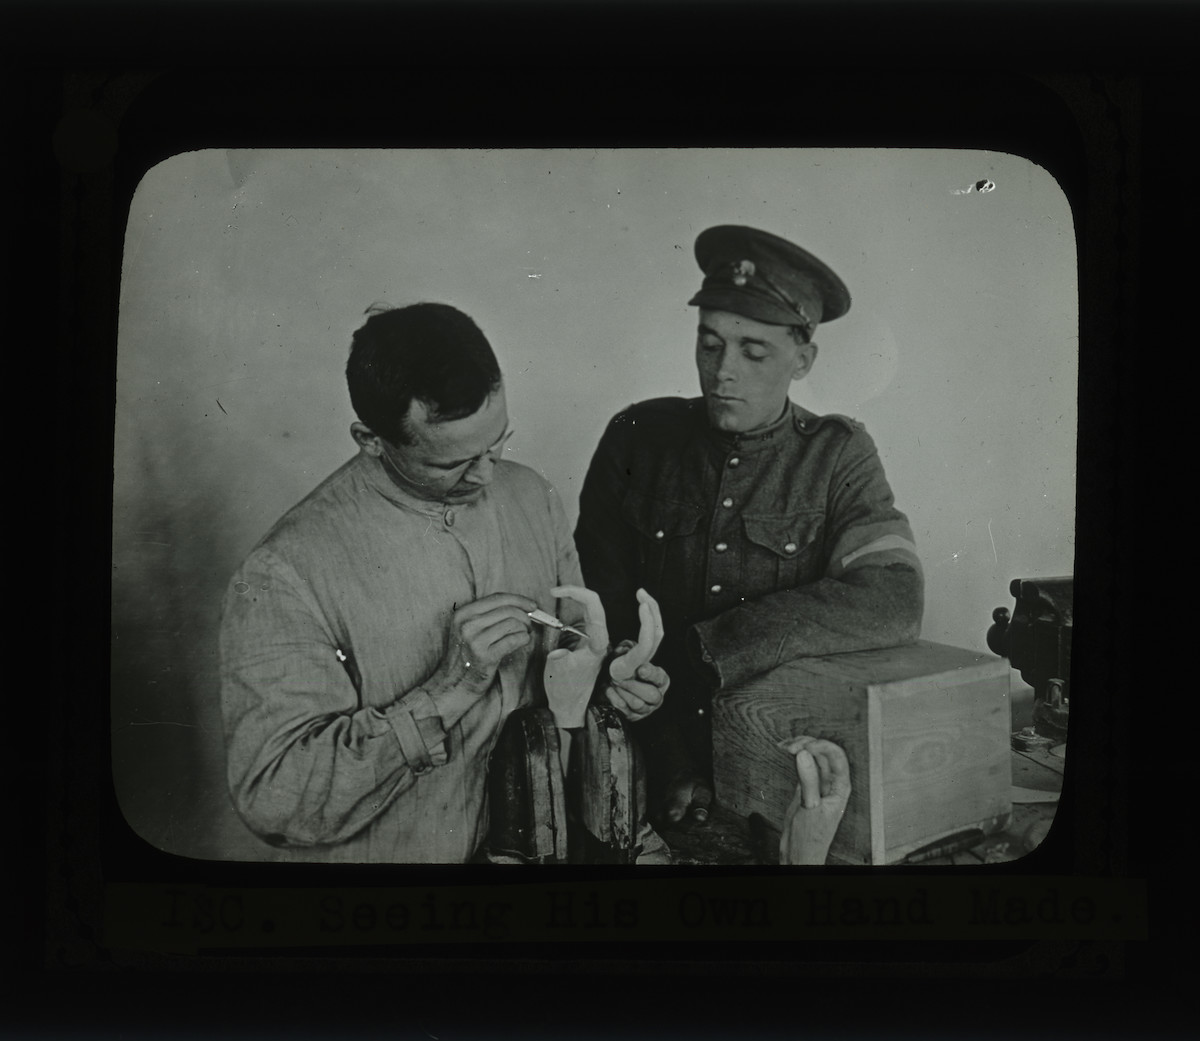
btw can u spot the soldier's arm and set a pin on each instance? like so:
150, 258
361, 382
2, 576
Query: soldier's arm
870, 595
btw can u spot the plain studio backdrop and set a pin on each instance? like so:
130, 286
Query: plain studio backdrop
245, 274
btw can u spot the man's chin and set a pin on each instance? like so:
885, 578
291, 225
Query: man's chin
466, 495
723, 415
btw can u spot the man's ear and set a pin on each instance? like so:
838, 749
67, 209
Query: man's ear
805, 357
366, 438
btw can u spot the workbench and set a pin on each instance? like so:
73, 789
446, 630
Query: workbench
729, 839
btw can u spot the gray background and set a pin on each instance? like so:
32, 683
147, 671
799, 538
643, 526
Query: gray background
245, 274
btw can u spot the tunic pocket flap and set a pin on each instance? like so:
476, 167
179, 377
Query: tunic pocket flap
785, 534
660, 519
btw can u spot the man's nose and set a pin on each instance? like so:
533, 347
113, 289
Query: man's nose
481, 471
727, 367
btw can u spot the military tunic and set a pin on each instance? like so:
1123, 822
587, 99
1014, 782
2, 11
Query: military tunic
760, 548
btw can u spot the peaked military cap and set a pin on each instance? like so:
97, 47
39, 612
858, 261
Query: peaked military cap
759, 275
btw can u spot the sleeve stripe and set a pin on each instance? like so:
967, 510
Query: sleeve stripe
887, 542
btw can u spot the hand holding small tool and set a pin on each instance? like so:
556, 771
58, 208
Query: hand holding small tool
482, 634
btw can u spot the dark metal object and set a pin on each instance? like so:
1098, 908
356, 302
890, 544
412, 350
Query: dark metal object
1036, 639
948, 846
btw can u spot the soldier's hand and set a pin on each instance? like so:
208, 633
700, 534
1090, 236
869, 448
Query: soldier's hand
482, 634
816, 810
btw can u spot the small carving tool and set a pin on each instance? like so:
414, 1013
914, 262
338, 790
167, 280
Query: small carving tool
546, 619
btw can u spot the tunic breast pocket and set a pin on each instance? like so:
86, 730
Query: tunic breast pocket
783, 550
666, 529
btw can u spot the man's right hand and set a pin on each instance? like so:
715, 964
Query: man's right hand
481, 635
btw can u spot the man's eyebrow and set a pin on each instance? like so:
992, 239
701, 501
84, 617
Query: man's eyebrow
738, 339
471, 458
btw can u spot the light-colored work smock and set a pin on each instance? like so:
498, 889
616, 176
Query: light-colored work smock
329, 628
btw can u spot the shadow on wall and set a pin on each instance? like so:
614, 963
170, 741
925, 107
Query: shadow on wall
171, 564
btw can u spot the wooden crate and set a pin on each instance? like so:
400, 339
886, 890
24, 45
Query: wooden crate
926, 729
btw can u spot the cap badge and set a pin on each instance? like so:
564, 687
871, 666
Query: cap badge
742, 270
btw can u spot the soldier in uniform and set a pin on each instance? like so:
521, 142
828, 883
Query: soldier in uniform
766, 533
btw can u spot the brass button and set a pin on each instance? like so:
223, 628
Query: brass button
735, 461
726, 503
721, 547
660, 534
790, 548
715, 589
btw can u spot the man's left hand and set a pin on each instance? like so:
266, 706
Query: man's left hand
641, 694
636, 687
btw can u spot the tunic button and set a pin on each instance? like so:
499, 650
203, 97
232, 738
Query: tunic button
727, 503
660, 534
735, 461
715, 589
699, 711
721, 547
448, 517
790, 548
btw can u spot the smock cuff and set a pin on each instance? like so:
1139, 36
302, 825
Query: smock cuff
418, 731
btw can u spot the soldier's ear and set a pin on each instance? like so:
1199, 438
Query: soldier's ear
805, 357
366, 438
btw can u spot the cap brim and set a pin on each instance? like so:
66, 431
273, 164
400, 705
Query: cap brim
737, 302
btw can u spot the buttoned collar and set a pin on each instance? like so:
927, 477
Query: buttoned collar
373, 472
793, 417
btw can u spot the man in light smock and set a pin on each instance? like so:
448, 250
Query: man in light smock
765, 532
376, 640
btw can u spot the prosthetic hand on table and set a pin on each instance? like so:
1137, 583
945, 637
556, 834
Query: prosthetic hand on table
816, 810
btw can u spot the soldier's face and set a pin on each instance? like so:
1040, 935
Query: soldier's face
746, 368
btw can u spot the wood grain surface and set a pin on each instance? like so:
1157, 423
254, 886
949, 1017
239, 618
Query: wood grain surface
925, 729
946, 761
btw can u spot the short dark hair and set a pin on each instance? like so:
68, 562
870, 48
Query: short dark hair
432, 353
800, 334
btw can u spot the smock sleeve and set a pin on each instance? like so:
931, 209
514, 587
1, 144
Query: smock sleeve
306, 763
